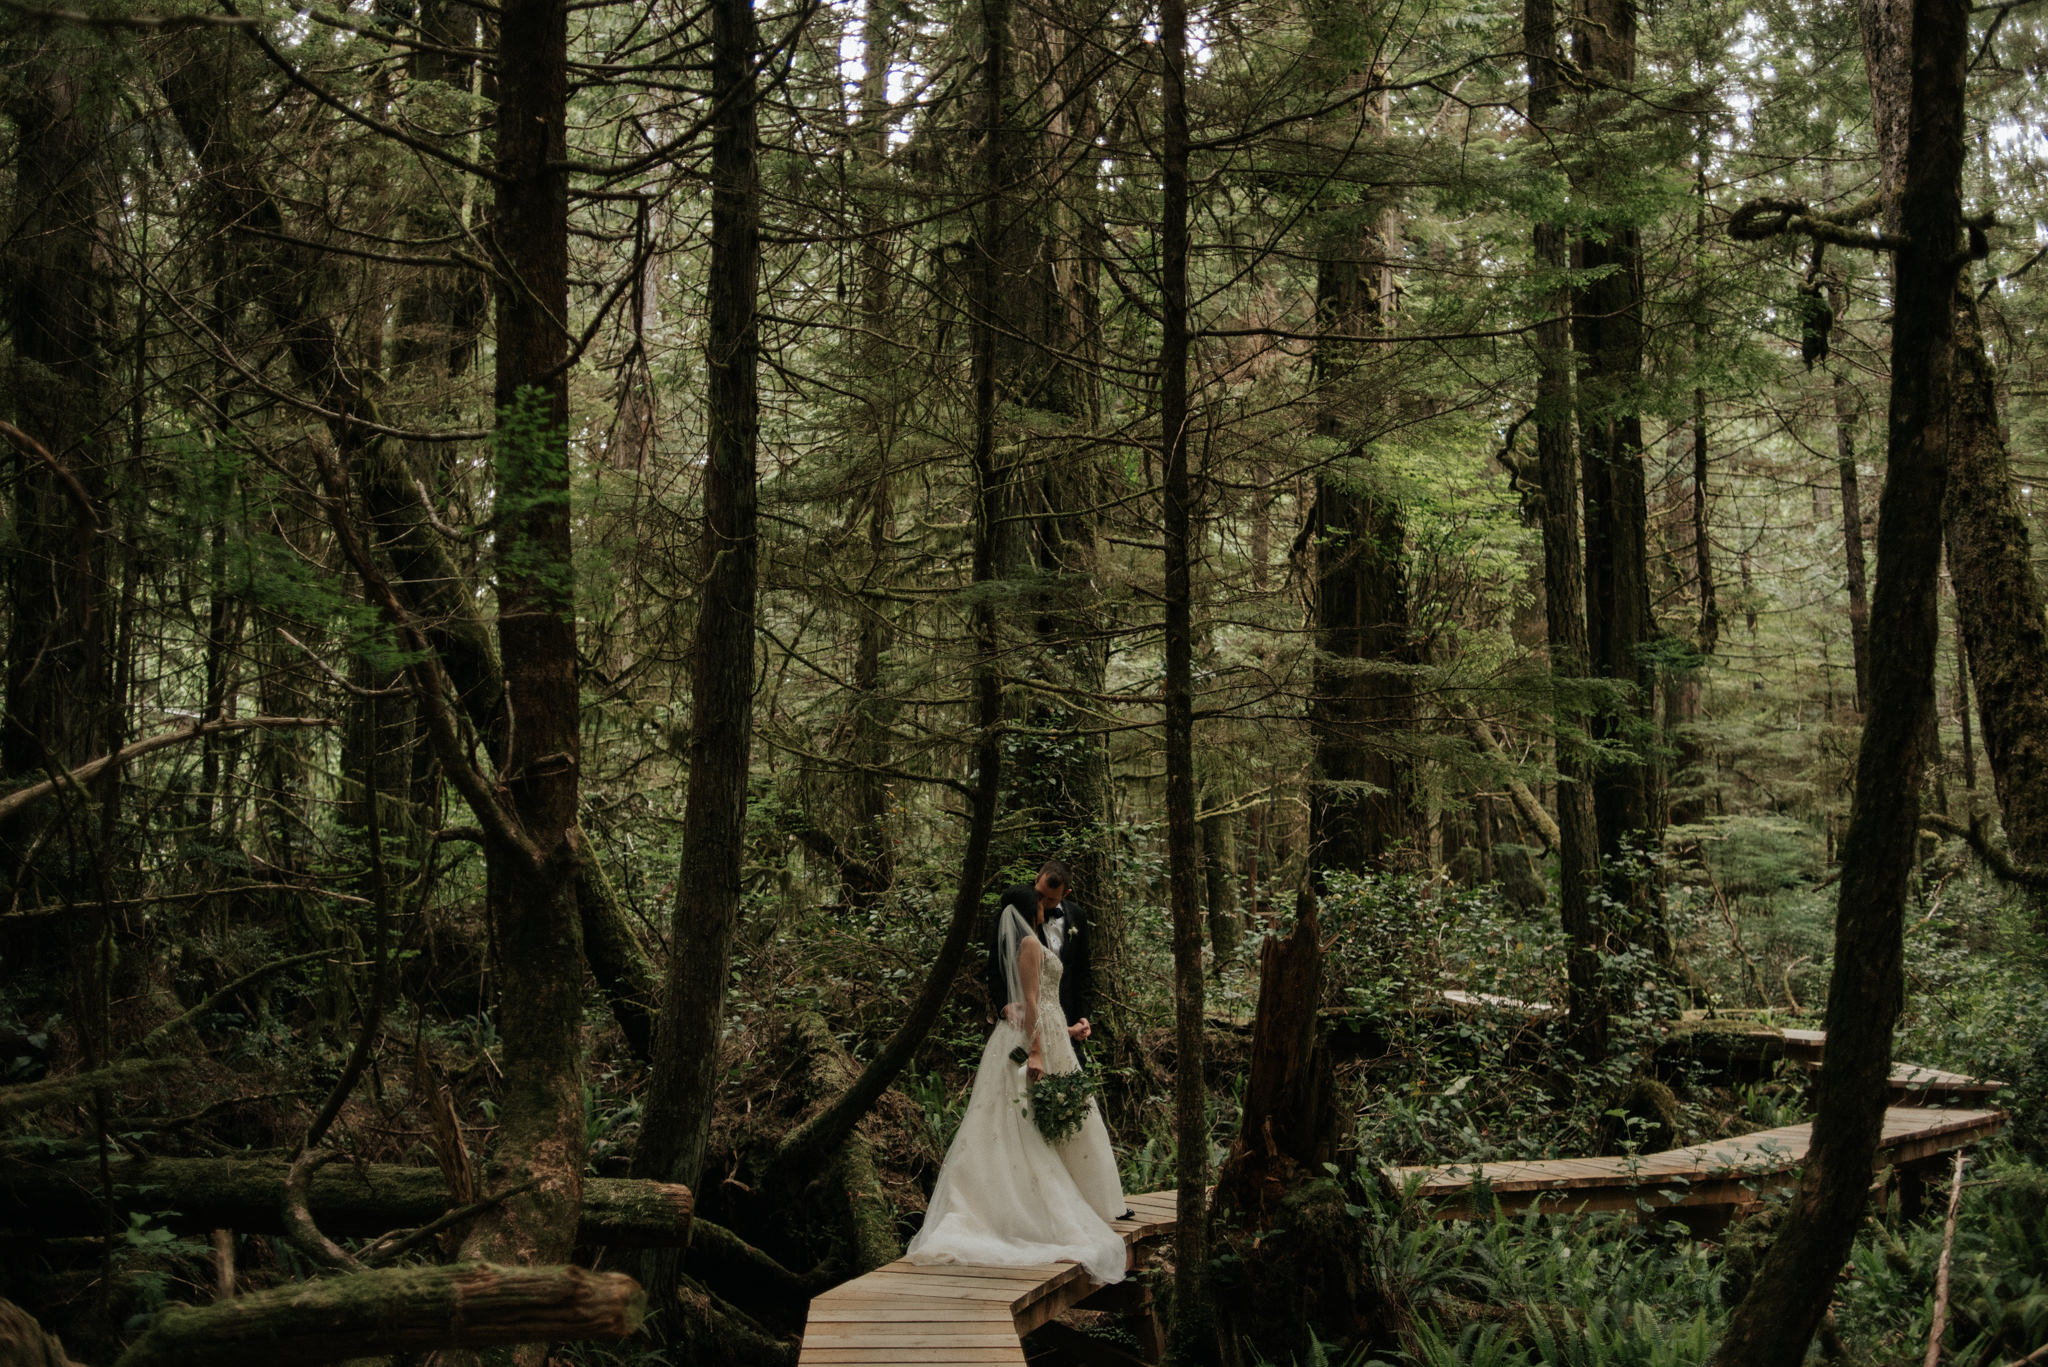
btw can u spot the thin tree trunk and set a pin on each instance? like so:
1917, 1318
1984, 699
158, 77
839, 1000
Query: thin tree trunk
1855, 571
687, 1067
1916, 51
872, 847
1184, 897
1682, 690
1218, 833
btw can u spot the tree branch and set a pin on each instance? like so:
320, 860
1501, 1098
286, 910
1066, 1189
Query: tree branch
1996, 859
92, 769
1760, 219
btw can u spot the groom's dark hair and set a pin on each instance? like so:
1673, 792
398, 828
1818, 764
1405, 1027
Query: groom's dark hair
1057, 874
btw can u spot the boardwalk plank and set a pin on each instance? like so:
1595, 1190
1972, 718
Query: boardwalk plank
955, 1315
1701, 1174
908, 1310
916, 1337
953, 1356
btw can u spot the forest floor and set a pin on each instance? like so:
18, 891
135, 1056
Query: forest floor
1422, 1082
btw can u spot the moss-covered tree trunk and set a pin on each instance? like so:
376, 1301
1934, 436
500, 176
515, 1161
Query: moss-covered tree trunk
1362, 800
537, 937
1608, 335
1998, 596
1563, 575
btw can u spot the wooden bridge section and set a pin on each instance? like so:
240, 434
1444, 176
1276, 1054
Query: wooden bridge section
1726, 1173
953, 1315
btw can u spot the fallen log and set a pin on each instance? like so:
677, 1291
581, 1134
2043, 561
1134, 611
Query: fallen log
394, 1310
54, 1091
248, 1193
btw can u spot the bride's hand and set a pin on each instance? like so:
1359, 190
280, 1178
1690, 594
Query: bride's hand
1034, 1066
1080, 1030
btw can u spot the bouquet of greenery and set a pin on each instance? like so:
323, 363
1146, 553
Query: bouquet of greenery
1058, 1102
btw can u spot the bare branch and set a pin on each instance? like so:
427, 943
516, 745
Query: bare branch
92, 769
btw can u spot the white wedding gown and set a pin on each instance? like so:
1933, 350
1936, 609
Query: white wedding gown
1007, 1198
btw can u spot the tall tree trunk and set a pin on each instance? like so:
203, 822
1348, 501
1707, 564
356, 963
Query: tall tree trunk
1998, 597
1607, 325
1362, 803
1563, 583
59, 377
687, 1069
1916, 51
533, 888
1183, 855
1045, 303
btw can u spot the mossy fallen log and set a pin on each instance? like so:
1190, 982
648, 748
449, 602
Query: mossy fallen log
347, 1201
394, 1310
54, 1091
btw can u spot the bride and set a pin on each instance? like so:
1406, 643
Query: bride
1005, 1197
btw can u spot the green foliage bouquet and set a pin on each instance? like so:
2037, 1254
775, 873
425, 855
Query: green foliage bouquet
1058, 1103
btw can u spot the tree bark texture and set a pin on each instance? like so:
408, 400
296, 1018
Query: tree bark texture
1042, 170
687, 1070
1607, 326
1289, 1115
1362, 803
1183, 852
58, 670
393, 1310
532, 896
247, 1194
1998, 597
1916, 51
1563, 579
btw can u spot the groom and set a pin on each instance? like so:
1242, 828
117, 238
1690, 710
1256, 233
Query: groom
1046, 903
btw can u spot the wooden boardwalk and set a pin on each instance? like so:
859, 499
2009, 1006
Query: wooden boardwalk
1725, 1173
1911, 1082
953, 1315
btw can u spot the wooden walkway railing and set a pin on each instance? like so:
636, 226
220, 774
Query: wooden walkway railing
953, 1315
1726, 1173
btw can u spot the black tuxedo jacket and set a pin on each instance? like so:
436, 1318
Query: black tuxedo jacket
1077, 979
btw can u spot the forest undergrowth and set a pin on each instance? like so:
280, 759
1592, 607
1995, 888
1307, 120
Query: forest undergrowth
1424, 1081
